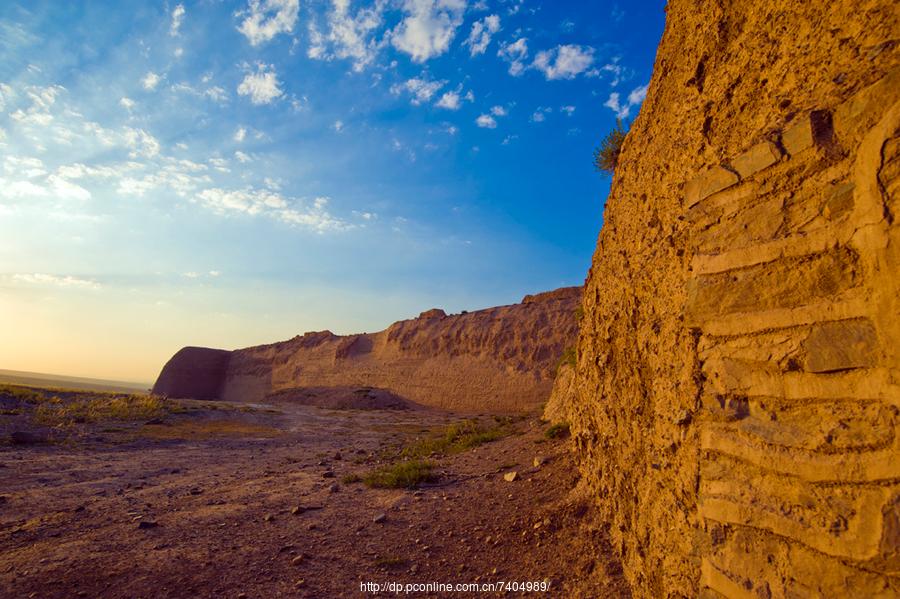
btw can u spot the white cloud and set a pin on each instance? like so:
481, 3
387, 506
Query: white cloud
267, 18
338, 126
66, 190
242, 157
26, 166
216, 94
140, 142
150, 81
515, 54
569, 110
428, 27
623, 109
422, 90
55, 280
637, 95
498, 111
177, 18
480, 35
240, 134
262, 86
564, 62
486, 121
270, 203
450, 101
540, 115
348, 36
126, 103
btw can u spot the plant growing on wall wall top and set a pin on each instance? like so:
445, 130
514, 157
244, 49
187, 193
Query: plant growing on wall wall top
606, 155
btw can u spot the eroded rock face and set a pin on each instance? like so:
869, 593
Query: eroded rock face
735, 404
496, 360
194, 372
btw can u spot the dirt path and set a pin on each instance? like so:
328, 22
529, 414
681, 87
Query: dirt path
257, 508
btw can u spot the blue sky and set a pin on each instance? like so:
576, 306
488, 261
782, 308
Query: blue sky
233, 173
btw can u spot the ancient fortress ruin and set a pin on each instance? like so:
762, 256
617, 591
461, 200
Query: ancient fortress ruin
735, 400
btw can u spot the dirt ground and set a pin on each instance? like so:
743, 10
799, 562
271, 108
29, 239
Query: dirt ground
250, 501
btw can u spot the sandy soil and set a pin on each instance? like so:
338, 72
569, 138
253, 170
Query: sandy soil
249, 502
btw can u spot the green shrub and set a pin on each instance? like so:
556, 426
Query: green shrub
349, 479
557, 431
606, 156
458, 437
570, 357
402, 475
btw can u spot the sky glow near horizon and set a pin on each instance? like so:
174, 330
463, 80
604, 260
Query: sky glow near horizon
233, 173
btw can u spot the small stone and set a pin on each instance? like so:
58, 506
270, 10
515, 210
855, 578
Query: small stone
297, 509
144, 524
268, 517
297, 560
26, 438
757, 158
338, 456
328, 474
334, 488
539, 461
799, 136
379, 518
511, 476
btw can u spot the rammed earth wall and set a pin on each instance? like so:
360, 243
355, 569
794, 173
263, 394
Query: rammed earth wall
735, 404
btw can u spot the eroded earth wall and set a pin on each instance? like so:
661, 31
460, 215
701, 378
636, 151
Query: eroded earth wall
497, 360
736, 394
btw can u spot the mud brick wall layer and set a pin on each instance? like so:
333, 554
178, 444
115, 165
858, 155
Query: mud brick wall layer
497, 360
735, 404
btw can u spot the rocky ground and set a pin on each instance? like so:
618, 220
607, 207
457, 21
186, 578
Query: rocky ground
215, 500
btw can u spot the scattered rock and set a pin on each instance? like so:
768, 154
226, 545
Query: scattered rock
268, 518
297, 560
144, 524
297, 509
196, 491
334, 488
379, 518
328, 474
338, 456
539, 461
511, 476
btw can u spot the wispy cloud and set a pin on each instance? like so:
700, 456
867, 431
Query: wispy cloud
422, 89
264, 19
623, 109
515, 54
348, 36
177, 19
55, 280
261, 85
150, 81
428, 27
486, 121
313, 216
480, 35
564, 62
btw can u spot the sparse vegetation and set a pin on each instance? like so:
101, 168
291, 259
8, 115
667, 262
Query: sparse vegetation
402, 475
557, 431
458, 437
606, 156
349, 479
570, 357
55, 411
391, 561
